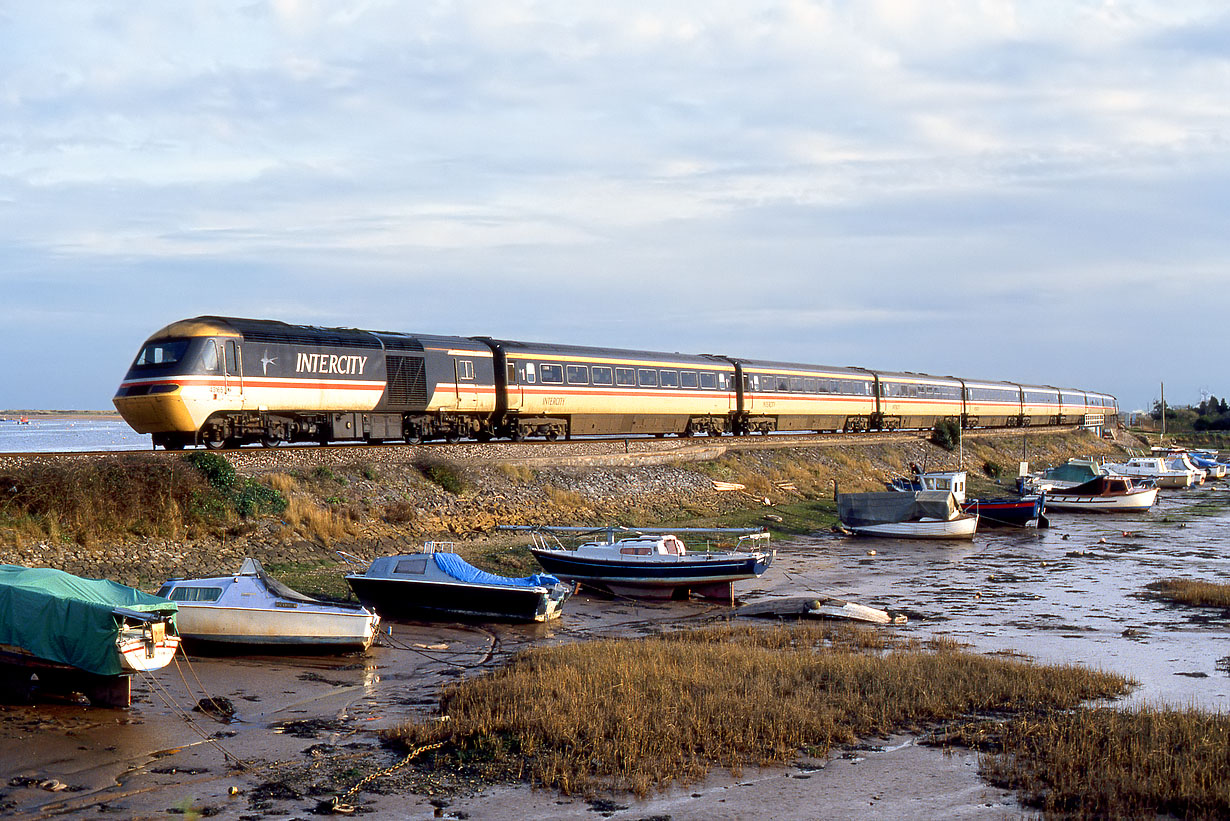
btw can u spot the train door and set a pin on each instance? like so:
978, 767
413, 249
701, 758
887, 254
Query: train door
515, 392
467, 392
233, 373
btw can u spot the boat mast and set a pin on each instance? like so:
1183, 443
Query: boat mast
1163, 384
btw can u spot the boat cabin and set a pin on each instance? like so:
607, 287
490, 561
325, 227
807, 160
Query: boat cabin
643, 546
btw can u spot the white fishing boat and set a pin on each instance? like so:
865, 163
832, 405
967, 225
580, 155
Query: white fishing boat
1104, 494
923, 514
252, 609
1152, 467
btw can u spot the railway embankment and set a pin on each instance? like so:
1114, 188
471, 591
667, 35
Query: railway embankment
141, 518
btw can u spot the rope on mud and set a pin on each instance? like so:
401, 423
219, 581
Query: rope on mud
338, 804
174, 706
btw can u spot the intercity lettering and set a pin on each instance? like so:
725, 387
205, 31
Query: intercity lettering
324, 363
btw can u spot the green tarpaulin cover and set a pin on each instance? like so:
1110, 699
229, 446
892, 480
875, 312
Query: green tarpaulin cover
64, 618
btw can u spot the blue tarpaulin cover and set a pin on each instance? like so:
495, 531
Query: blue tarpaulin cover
64, 618
460, 569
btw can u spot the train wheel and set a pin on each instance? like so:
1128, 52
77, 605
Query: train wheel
270, 440
414, 436
453, 436
516, 434
214, 442
552, 435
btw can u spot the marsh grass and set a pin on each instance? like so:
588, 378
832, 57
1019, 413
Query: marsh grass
1192, 592
89, 501
1109, 763
642, 714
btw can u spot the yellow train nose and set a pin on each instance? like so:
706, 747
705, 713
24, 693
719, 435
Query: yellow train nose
162, 412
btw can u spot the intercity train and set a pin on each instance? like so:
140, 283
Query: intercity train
225, 382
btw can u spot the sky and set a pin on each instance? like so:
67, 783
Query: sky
1028, 191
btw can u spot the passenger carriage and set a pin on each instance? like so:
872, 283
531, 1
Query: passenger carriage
565, 390
792, 397
991, 404
914, 400
1040, 405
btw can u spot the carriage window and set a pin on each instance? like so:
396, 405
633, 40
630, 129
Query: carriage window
648, 378
578, 375
512, 373
530, 376
687, 379
783, 383
811, 384
625, 377
796, 384
601, 375
708, 381
161, 353
670, 379
551, 374
465, 369
723, 382
766, 384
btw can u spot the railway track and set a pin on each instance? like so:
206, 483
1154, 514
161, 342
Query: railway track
630, 450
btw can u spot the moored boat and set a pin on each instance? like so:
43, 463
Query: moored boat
1104, 494
252, 609
438, 582
1153, 467
653, 563
921, 514
1022, 511
90, 635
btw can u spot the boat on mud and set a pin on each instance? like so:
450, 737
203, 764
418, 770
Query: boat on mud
1008, 511
60, 632
918, 514
652, 563
1155, 468
438, 583
1104, 494
252, 609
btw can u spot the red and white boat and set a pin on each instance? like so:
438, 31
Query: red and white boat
1104, 494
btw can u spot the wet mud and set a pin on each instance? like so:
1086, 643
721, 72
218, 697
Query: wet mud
297, 732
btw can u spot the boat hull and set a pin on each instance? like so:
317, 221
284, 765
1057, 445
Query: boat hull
272, 627
1137, 501
670, 577
962, 527
416, 599
1007, 512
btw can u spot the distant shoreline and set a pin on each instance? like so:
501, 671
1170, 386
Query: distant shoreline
59, 414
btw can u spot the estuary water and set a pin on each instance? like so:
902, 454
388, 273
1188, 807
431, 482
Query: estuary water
46, 434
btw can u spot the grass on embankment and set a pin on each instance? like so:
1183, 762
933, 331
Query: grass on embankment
1192, 592
642, 714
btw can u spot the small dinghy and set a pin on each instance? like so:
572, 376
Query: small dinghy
252, 609
438, 582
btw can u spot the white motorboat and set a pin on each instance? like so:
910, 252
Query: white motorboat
652, 563
1152, 467
923, 514
251, 609
1104, 494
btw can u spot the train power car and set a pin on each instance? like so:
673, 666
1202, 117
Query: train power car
224, 382
566, 390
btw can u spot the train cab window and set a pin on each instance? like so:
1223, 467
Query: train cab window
551, 374
465, 369
601, 375
161, 353
234, 364
209, 357
708, 381
577, 374
647, 378
670, 379
687, 379
625, 377
530, 375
